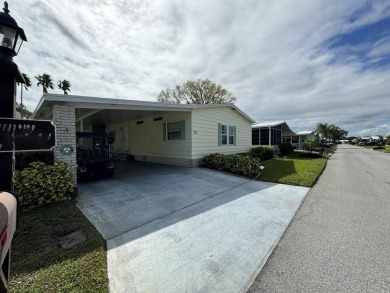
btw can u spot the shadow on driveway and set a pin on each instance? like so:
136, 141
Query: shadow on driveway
174, 229
140, 193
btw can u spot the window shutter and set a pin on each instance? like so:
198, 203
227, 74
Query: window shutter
183, 129
234, 133
219, 133
164, 131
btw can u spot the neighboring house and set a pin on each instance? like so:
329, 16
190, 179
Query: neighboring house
375, 138
175, 134
304, 136
271, 133
365, 139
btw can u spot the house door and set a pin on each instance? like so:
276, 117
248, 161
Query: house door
124, 139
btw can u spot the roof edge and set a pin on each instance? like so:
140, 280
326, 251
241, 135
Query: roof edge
46, 98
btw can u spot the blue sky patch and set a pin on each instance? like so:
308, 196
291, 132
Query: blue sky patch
368, 45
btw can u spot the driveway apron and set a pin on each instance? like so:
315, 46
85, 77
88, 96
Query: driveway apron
176, 229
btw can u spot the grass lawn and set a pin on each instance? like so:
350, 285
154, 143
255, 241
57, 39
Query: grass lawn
38, 263
293, 170
385, 150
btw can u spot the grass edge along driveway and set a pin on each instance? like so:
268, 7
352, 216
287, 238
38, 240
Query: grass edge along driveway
383, 149
293, 170
38, 263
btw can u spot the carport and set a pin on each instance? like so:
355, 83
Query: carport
177, 229
114, 116
175, 134
136, 126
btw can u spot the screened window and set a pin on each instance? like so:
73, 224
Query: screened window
228, 135
264, 136
255, 136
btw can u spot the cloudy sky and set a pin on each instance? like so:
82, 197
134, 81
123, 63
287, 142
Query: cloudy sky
302, 61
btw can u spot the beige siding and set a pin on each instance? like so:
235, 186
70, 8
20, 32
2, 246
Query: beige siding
205, 131
145, 140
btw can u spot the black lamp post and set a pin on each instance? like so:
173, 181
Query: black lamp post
11, 38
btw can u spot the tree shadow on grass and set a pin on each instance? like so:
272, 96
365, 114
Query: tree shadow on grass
275, 170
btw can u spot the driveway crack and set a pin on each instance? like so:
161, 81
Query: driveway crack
373, 176
310, 207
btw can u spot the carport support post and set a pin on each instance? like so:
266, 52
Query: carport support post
64, 118
269, 135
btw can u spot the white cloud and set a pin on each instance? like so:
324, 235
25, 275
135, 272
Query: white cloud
272, 55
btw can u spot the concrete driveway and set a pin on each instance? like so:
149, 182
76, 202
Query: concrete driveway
176, 229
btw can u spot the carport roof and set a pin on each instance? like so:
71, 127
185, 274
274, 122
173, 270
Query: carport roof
305, 132
97, 103
285, 128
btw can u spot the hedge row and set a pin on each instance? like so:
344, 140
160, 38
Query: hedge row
40, 183
237, 164
262, 153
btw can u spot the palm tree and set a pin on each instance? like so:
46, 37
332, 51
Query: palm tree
64, 85
45, 81
26, 85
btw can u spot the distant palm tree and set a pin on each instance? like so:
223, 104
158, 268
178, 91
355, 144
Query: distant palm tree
26, 85
64, 85
45, 81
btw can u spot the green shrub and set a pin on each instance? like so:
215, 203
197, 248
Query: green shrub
285, 148
310, 145
242, 165
214, 161
239, 164
40, 183
263, 153
378, 148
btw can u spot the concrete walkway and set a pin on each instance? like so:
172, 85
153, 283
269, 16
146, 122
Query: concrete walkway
172, 229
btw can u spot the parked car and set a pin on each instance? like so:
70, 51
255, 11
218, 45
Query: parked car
94, 155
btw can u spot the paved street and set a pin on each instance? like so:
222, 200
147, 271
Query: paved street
339, 240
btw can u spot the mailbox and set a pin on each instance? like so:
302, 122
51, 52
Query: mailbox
7, 230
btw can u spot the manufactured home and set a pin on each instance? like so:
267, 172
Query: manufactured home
271, 133
175, 134
306, 135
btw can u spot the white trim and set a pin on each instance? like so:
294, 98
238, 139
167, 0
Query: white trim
81, 102
88, 114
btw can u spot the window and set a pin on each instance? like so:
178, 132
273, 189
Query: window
276, 135
174, 130
264, 136
227, 135
255, 136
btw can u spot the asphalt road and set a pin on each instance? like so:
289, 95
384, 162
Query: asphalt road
339, 240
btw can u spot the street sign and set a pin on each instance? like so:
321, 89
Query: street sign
26, 135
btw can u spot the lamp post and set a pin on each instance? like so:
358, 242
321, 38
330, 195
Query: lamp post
11, 39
